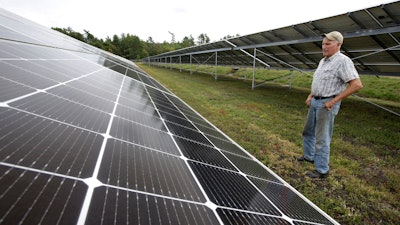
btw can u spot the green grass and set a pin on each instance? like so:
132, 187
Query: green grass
376, 88
364, 182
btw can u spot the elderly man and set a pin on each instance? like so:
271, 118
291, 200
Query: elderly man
335, 79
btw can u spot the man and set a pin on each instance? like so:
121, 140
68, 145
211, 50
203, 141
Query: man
335, 79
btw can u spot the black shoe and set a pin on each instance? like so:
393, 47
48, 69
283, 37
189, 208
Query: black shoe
301, 159
316, 174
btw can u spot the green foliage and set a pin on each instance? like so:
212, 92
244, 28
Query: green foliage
203, 39
364, 184
131, 46
187, 42
68, 31
230, 36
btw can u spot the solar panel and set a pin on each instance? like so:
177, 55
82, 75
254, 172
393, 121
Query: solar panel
371, 40
86, 137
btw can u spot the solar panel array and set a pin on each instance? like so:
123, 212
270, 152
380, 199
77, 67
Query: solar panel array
372, 40
86, 137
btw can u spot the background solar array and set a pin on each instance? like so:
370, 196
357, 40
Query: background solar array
371, 40
87, 137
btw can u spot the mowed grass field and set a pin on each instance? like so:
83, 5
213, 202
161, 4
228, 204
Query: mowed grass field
364, 182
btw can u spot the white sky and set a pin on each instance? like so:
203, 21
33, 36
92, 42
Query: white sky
156, 18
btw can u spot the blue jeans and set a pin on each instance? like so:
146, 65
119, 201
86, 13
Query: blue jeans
317, 133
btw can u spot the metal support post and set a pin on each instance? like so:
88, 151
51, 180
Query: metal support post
254, 68
180, 64
191, 72
215, 68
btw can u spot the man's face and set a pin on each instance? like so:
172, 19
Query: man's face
329, 47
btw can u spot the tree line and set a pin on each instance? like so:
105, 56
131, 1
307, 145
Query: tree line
131, 46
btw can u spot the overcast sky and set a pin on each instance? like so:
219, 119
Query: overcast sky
157, 18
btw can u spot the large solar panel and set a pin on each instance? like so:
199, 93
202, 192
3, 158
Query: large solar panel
372, 40
87, 137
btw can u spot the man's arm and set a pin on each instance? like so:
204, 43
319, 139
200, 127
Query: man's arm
352, 87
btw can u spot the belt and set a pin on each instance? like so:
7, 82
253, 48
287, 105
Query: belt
320, 97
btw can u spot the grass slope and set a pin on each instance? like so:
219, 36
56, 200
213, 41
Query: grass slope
364, 182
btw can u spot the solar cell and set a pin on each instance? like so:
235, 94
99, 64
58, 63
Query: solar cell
116, 206
86, 137
30, 197
125, 165
235, 217
226, 188
64, 110
24, 76
203, 153
252, 168
82, 97
32, 141
10, 89
289, 203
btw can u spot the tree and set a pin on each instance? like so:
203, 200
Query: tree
150, 40
151, 47
89, 38
92, 40
229, 36
203, 39
172, 38
130, 46
187, 42
70, 33
116, 42
110, 47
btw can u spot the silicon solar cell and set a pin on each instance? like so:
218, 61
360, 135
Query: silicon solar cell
24, 76
226, 188
289, 203
86, 137
83, 97
203, 153
30, 197
130, 166
252, 168
33, 141
11, 89
64, 110
115, 206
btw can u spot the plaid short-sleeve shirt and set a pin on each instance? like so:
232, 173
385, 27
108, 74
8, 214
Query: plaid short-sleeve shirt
332, 75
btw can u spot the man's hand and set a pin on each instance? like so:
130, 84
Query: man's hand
308, 100
352, 87
329, 105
